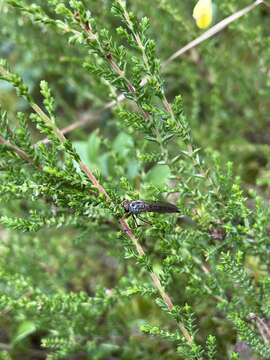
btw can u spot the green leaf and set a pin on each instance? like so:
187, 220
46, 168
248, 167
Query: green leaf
103, 164
122, 144
25, 329
133, 169
4, 355
93, 147
82, 149
158, 175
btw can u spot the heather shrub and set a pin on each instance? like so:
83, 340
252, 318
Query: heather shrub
95, 111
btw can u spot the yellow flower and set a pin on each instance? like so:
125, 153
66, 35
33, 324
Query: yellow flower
203, 13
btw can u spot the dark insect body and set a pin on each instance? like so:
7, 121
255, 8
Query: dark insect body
137, 207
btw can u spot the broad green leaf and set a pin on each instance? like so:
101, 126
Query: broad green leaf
122, 144
93, 147
82, 149
133, 169
25, 328
158, 175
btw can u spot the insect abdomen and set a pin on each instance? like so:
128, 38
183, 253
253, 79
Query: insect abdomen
163, 208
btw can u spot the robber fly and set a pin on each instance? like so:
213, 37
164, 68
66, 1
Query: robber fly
136, 207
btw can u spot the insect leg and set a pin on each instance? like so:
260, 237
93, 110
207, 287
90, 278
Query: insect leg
134, 218
146, 222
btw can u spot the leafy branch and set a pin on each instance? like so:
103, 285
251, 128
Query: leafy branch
51, 129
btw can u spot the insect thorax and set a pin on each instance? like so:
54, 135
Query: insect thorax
137, 206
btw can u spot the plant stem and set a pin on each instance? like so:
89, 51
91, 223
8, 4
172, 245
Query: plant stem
22, 154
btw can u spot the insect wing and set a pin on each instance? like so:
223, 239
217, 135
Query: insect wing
161, 207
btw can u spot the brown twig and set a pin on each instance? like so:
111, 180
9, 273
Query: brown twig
22, 154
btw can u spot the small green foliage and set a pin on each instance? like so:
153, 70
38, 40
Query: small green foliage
235, 356
14, 79
48, 99
211, 347
77, 278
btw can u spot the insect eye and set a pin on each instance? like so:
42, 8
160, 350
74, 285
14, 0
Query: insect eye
126, 206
